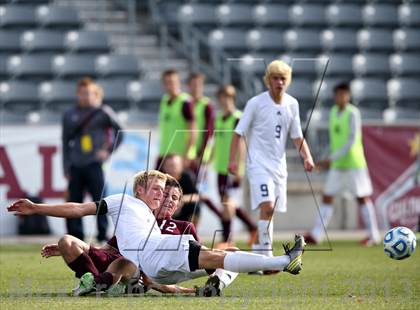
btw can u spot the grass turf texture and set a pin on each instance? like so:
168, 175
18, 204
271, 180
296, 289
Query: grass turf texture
349, 276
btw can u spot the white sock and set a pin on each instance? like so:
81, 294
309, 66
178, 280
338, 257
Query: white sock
318, 231
248, 262
369, 219
265, 237
225, 276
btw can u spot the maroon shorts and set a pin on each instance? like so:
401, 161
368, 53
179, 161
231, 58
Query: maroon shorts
102, 258
225, 183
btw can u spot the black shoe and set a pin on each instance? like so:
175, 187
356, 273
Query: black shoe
212, 288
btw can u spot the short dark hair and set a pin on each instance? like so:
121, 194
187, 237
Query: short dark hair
85, 82
195, 75
169, 72
342, 86
172, 182
227, 90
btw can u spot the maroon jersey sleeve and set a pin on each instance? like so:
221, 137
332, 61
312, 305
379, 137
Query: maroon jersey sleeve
168, 227
188, 111
113, 242
190, 230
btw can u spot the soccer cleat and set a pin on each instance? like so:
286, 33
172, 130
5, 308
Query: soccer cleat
368, 242
212, 288
87, 284
117, 289
295, 254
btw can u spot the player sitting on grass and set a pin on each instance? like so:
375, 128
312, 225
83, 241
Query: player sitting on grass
166, 259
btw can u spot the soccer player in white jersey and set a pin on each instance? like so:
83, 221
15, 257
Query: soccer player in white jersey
166, 259
265, 124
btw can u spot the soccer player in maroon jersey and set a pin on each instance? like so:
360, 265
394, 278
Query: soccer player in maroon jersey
82, 257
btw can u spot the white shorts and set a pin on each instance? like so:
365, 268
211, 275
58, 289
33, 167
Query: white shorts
266, 187
165, 258
353, 181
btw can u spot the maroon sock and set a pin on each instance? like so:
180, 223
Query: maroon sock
244, 217
103, 281
227, 226
82, 264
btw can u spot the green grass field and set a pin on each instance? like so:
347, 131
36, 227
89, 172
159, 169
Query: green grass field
349, 276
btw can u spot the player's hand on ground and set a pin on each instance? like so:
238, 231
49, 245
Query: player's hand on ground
50, 250
22, 207
309, 164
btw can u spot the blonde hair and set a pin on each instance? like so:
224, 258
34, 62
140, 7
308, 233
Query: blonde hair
141, 178
278, 67
227, 90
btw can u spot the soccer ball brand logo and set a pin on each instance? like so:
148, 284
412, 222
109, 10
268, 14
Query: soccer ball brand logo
399, 243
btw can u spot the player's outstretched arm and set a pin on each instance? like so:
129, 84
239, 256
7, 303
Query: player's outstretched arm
66, 210
303, 148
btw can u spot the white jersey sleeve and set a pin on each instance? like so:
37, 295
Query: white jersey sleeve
246, 119
295, 127
114, 204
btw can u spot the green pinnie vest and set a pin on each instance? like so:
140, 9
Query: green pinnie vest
223, 133
339, 130
172, 119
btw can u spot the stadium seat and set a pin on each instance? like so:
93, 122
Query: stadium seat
255, 63
265, 40
87, 41
73, 66
404, 92
271, 15
409, 15
407, 39
230, 39
369, 93
197, 14
302, 40
146, 93
375, 40
58, 95
371, 114
301, 89
17, 16
405, 64
344, 15
117, 66
339, 40
235, 14
307, 15
9, 41
324, 90
57, 17
339, 65
400, 115
115, 93
29, 66
42, 41
19, 96
380, 15
3, 68
303, 64
370, 65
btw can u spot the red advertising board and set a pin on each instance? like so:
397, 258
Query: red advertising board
392, 155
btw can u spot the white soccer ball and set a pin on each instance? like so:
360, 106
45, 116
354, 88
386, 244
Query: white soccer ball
399, 242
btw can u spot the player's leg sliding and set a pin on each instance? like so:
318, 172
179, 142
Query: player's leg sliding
247, 262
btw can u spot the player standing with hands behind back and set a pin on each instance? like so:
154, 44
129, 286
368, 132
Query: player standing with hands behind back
348, 170
266, 121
